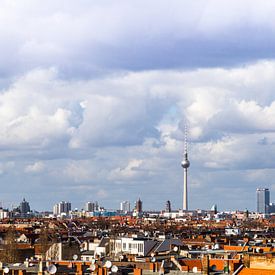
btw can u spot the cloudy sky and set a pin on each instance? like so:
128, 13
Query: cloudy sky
95, 96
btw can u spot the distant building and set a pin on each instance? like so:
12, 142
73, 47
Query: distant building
125, 206
168, 207
214, 209
62, 207
90, 206
271, 208
24, 207
263, 200
4, 213
138, 206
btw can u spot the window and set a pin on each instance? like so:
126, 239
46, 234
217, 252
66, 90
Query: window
140, 247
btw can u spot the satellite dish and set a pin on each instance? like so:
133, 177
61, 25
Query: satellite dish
6, 270
75, 257
153, 259
52, 269
213, 268
108, 264
195, 269
114, 269
93, 267
176, 249
93, 261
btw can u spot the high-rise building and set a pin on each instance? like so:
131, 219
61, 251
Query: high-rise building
90, 206
138, 206
97, 207
125, 206
62, 207
263, 200
24, 207
185, 164
214, 209
168, 206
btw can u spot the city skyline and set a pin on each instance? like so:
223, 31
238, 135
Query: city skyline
263, 202
94, 99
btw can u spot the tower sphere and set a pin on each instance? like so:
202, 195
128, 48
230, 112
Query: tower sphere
185, 163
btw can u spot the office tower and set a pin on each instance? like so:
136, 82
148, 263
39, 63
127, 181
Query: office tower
24, 207
263, 200
185, 164
138, 206
55, 209
168, 206
90, 206
125, 206
62, 207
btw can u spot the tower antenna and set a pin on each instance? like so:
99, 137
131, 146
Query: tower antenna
185, 139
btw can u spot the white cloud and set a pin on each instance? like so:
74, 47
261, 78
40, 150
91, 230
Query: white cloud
35, 167
129, 127
129, 172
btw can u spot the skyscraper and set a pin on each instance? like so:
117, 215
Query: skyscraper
125, 206
185, 164
90, 206
263, 199
24, 207
168, 206
62, 207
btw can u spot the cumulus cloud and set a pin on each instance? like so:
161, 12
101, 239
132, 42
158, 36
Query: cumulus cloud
36, 167
128, 128
127, 173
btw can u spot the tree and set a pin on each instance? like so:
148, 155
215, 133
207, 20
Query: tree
43, 242
10, 253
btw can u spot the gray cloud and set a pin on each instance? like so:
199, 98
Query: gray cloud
87, 39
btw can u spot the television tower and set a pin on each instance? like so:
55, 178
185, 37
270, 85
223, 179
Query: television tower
185, 164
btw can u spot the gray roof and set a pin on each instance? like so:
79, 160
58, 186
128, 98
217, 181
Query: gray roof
103, 242
167, 244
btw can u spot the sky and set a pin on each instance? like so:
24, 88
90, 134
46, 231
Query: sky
95, 97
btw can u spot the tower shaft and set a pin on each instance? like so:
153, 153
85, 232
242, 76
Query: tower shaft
185, 197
